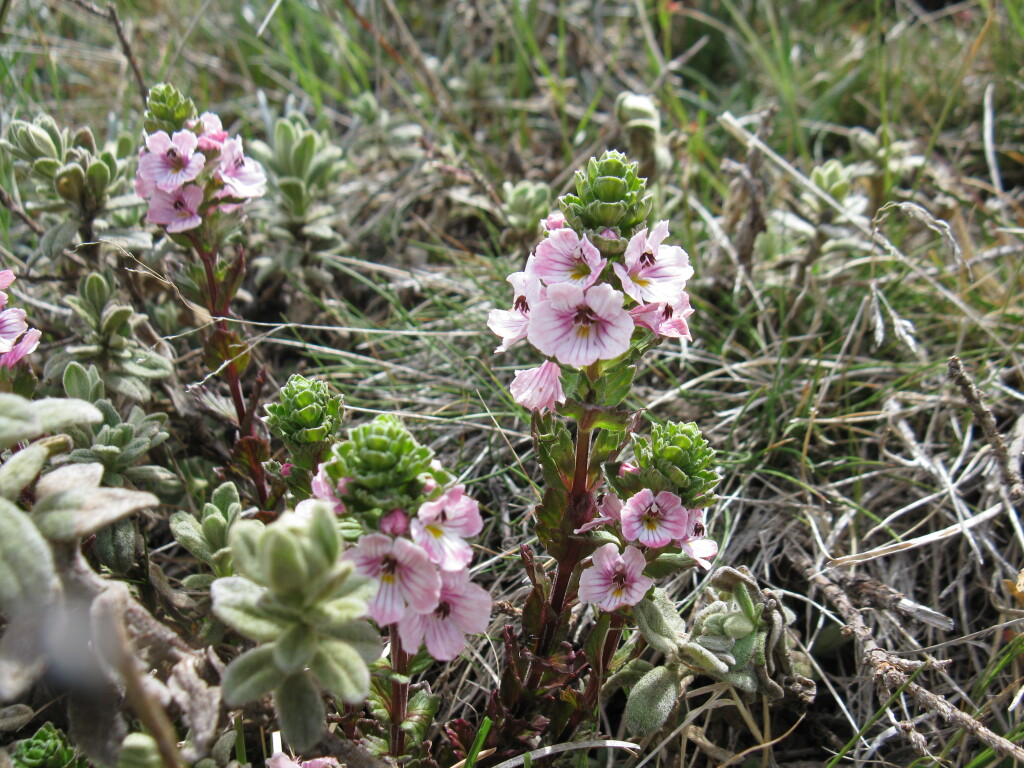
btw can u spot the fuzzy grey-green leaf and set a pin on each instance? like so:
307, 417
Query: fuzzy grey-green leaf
236, 602
651, 700
659, 622
250, 676
342, 671
300, 711
294, 648
27, 575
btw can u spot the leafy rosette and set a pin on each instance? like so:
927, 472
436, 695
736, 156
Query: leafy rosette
381, 468
305, 607
611, 201
677, 458
305, 419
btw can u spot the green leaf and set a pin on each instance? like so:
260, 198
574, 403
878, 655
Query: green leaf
21, 469
282, 561
660, 623
69, 515
236, 603
250, 676
617, 385
56, 413
17, 420
300, 711
342, 671
139, 750
420, 711
244, 537
224, 496
115, 547
363, 638
668, 563
76, 381
651, 700
27, 574
294, 648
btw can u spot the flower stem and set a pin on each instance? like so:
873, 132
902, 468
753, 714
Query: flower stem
218, 306
399, 693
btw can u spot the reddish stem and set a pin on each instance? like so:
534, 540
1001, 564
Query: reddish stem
218, 306
399, 693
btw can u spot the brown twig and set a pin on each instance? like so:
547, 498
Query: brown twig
984, 418
891, 672
110, 14
8, 202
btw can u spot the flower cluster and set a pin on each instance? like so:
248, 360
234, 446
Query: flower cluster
187, 175
578, 307
421, 568
417, 552
16, 338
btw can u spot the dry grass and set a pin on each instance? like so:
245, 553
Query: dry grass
849, 457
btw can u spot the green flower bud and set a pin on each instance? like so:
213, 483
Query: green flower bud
677, 458
384, 469
167, 109
48, 748
306, 417
610, 203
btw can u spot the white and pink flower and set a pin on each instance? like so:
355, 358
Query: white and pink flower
614, 580
243, 177
12, 326
178, 211
555, 220
580, 327
171, 161
209, 131
654, 521
666, 320
408, 581
609, 512
464, 608
512, 324
695, 542
564, 257
652, 272
538, 389
442, 526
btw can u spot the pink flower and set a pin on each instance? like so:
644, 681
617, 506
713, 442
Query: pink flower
210, 132
665, 319
171, 161
512, 324
26, 346
442, 526
538, 389
12, 325
562, 257
652, 272
615, 580
464, 608
243, 177
394, 523
554, 221
652, 520
408, 580
609, 511
325, 489
178, 211
694, 541
6, 278
579, 328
